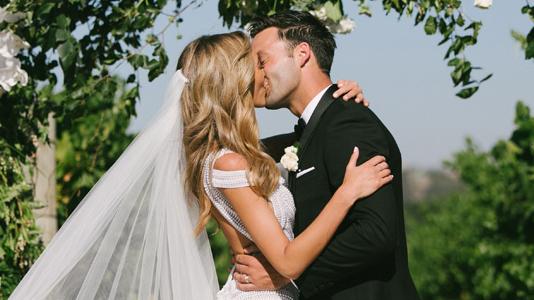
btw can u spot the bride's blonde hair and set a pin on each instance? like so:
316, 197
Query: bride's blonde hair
218, 112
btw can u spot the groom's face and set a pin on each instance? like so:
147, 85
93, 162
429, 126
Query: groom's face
277, 72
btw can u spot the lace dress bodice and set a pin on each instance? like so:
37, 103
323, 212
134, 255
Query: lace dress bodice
283, 207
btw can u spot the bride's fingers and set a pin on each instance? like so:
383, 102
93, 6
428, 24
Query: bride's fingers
382, 166
384, 173
353, 158
342, 90
387, 179
351, 94
376, 160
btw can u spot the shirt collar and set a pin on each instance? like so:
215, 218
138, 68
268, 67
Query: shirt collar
308, 111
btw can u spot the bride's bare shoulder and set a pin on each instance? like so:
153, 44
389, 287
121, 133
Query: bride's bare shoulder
231, 162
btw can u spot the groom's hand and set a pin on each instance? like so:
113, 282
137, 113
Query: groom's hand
255, 273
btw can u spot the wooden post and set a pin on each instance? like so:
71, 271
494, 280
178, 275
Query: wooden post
45, 184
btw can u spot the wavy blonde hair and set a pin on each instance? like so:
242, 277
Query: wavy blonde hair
218, 112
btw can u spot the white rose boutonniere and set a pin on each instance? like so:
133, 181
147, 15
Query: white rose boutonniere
290, 160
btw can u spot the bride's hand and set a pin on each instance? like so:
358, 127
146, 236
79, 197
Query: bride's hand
365, 179
350, 89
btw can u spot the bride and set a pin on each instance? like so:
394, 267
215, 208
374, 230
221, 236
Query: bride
139, 233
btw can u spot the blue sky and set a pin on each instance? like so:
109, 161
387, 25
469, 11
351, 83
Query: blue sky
403, 75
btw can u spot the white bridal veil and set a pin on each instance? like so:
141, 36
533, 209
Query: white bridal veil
132, 236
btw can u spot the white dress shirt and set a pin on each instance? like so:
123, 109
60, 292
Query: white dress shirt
310, 108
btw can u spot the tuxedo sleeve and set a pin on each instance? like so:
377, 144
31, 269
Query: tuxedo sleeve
367, 236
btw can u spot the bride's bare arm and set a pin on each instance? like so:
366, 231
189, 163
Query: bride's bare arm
290, 258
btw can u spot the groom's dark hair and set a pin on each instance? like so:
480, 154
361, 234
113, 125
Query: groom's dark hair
296, 27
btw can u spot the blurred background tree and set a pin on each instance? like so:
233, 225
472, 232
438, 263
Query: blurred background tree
479, 244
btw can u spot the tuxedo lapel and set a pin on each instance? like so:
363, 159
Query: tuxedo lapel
323, 104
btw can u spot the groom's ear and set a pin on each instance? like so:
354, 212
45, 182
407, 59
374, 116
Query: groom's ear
302, 53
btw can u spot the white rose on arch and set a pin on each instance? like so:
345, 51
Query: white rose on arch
320, 13
483, 3
11, 72
344, 26
6, 16
332, 17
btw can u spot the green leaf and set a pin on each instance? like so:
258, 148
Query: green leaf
152, 39
68, 54
529, 51
453, 62
62, 35
521, 39
420, 17
456, 75
364, 10
476, 28
333, 10
460, 21
467, 92
138, 61
430, 25
409, 9
486, 78
466, 73
62, 21
46, 8
131, 78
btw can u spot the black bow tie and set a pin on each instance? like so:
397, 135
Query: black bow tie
299, 128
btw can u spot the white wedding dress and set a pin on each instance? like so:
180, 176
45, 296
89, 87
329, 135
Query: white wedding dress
132, 236
284, 210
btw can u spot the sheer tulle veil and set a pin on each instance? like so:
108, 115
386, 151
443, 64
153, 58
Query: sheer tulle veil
132, 236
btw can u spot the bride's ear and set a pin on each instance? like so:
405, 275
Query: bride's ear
302, 53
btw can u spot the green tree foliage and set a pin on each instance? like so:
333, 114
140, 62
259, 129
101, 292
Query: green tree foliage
479, 244
220, 250
84, 39
76, 46
88, 145
19, 237
443, 17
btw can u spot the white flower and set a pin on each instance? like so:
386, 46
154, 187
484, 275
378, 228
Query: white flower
290, 160
11, 72
483, 3
319, 14
8, 17
345, 25
11, 44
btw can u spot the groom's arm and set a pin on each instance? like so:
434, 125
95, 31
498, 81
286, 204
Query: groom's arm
367, 238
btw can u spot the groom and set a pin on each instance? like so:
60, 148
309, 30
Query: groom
367, 257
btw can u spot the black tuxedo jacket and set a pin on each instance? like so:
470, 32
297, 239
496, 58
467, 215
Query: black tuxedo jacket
367, 257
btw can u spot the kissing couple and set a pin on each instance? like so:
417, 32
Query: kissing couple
325, 223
